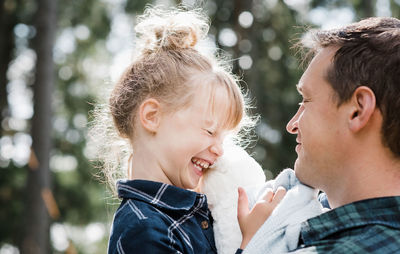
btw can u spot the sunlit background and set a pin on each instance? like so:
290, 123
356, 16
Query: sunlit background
93, 43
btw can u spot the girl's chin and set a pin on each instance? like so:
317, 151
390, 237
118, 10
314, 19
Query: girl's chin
193, 186
193, 177
194, 181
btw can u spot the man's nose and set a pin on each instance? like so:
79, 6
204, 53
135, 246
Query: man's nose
292, 125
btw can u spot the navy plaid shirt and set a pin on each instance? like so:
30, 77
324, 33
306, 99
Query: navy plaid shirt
367, 226
160, 218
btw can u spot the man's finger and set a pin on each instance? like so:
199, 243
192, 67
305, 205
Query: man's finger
243, 204
279, 194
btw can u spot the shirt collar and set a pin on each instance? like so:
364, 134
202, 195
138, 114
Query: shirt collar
161, 194
378, 211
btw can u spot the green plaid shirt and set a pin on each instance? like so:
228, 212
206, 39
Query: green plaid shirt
367, 226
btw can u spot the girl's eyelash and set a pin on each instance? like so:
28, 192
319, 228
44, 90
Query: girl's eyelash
209, 132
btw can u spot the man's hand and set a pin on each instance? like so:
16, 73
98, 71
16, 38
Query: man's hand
251, 220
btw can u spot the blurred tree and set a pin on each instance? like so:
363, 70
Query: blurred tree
37, 223
136, 6
395, 8
12, 177
362, 8
365, 8
80, 198
8, 19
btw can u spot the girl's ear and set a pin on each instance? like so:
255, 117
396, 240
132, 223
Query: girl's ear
363, 106
150, 114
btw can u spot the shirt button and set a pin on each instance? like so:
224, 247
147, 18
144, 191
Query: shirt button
204, 224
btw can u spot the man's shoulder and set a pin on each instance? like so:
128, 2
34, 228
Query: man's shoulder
373, 238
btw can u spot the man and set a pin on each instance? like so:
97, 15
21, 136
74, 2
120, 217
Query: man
348, 135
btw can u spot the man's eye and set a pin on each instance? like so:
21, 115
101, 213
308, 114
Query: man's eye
303, 102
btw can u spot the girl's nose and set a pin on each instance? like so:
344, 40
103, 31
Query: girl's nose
217, 149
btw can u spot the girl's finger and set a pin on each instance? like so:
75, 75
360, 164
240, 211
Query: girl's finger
243, 204
279, 195
267, 195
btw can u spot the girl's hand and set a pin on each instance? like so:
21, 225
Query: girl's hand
251, 220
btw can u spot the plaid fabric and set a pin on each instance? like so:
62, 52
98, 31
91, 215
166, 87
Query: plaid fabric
367, 226
159, 218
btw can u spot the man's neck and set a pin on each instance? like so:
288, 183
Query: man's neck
366, 178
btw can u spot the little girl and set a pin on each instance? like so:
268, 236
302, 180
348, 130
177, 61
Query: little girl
175, 106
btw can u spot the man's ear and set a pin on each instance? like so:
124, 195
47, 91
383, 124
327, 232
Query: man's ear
150, 114
363, 104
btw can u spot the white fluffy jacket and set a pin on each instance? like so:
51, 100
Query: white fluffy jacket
235, 168
279, 234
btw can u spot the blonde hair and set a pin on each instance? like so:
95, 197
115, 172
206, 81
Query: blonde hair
166, 68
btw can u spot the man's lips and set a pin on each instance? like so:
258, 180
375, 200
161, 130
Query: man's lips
298, 145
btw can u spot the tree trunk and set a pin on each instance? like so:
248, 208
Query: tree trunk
242, 33
8, 20
36, 238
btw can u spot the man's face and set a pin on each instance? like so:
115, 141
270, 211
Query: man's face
319, 125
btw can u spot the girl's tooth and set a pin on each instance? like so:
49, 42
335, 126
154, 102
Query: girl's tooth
201, 163
198, 167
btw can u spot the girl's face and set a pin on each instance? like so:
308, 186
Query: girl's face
190, 140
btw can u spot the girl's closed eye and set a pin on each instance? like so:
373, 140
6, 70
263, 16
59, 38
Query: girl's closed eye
209, 132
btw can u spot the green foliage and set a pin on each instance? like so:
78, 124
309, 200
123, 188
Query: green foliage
12, 187
136, 6
91, 13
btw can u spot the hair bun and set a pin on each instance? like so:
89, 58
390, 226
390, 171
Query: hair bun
171, 29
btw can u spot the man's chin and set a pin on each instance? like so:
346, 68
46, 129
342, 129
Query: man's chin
299, 172
297, 167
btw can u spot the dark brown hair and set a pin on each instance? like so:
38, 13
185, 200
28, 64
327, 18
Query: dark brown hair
368, 55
